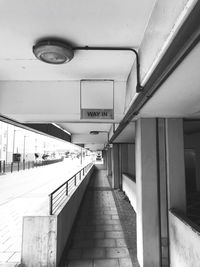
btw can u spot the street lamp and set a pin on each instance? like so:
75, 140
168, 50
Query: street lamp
24, 152
14, 139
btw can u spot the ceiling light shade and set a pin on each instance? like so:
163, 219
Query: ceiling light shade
94, 132
53, 52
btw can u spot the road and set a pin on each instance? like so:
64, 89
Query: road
25, 193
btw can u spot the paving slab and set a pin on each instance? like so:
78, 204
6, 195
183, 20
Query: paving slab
100, 236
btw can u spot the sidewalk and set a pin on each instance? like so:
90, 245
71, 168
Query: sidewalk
104, 234
26, 193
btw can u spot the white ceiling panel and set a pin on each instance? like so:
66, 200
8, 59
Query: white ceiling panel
115, 65
85, 128
89, 22
179, 96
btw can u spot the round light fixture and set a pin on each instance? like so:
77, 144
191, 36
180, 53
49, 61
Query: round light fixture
53, 52
94, 132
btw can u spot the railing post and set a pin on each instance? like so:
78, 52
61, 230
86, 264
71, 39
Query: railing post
11, 167
0, 166
4, 166
67, 188
18, 165
80, 175
83, 171
75, 180
51, 204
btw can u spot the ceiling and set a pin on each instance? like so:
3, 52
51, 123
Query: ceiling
34, 92
179, 96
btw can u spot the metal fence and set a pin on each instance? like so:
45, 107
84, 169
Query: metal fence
60, 194
18, 166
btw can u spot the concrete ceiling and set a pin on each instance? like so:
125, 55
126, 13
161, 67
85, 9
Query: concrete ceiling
179, 96
31, 91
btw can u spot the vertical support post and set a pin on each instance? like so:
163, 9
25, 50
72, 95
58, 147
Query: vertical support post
11, 167
109, 162
115, 167
148, 225
163, 204
0, 166
67, 188
4, 166
51, 204
175, 164
123, 161
18, 165
75, 180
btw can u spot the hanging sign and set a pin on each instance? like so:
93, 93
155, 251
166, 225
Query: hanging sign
97, 114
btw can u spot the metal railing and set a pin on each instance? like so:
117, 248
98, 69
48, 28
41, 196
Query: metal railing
23, 165
64, 191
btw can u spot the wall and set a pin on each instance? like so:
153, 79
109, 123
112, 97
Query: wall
45, 237
39, 241
129, 187
131, 159
100, 166
67, 215
184, 242
192, 141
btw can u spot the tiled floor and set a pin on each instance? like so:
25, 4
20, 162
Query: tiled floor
99, 238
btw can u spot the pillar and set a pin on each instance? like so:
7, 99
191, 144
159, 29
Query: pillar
115, 167
163, 207
148, 231
175, 164
104, 156
109, 162
123, 161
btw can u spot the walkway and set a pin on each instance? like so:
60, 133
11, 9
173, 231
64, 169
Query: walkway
101, 235
26, 193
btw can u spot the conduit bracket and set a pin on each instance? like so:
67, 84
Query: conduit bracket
105, 48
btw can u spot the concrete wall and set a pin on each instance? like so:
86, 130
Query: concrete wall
148, 232
131, 159
192, 142
45, 237
39, 241
100, 166
184, 242
129, 187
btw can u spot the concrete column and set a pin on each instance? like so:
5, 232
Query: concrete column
131, 159
104, 156
115, 167
148, 231
123, 161
123, 150
109, 162
175, 164
162, 169
198, 169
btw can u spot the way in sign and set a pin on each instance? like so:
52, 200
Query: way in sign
97, 114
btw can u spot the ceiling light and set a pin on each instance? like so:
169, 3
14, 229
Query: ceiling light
94, 132
53, 52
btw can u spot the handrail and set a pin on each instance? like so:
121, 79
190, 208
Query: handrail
66, 189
